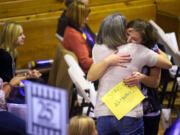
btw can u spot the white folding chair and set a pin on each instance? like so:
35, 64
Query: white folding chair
72, 63
84, 88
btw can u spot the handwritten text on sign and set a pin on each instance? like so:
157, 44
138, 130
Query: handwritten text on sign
122, 99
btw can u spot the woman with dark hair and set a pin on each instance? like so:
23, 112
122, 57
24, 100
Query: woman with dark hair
142, 32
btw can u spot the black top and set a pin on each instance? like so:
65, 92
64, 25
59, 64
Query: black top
6, 66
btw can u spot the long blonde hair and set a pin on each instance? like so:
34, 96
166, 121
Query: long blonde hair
9, 35
81, 125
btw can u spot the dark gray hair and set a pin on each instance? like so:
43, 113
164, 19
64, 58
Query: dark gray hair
112, 31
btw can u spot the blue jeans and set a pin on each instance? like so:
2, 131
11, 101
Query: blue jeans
110, 125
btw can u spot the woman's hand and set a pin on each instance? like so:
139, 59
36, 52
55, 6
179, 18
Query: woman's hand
115, 59
97, 70
33, 74
133, 80
15, 81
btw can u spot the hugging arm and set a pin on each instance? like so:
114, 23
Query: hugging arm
163, 61
151, 81
97, 70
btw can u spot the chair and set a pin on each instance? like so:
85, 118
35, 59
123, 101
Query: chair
84, 88
72, 63
58, 75
170, 43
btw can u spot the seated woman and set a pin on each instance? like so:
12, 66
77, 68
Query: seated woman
11, 37
112, 37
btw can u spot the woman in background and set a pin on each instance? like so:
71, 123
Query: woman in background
63, 23
74, 39
11, 37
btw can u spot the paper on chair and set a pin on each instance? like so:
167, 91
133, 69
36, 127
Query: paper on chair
164, 38
171, 45
122, 99
172, 37
169, 41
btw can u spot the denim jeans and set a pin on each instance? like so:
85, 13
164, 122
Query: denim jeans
110, 125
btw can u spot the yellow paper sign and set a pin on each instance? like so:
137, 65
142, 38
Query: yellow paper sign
122, 99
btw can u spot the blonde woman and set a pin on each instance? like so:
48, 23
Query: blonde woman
82, 125
11, 36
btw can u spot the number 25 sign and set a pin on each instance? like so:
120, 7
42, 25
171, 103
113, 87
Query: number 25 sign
47, 110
